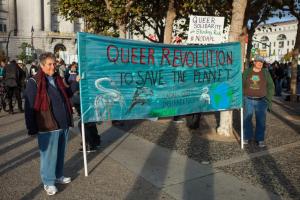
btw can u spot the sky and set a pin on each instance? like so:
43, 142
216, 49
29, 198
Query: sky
283, 19
288, 17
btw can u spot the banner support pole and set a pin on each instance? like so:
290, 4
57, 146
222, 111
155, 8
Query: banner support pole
84, 148
242, 128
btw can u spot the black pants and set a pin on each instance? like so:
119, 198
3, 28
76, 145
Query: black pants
14, 91
91, 133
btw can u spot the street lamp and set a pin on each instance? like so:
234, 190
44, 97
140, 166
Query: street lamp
32, 31
32, 47
8, 37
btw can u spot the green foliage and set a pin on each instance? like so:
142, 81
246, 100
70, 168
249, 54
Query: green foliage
150, 16
22, 56
288, 56
141, 17
96, 17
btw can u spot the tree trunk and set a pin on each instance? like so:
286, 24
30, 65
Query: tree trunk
122, 30
249, 47
294, 66
243, 36
171, 14
239, 7
122, 20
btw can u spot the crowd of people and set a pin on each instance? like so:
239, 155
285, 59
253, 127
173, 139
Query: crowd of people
15, 74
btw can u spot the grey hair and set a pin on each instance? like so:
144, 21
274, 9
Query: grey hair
45, 56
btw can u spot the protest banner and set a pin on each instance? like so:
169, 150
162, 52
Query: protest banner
126, 79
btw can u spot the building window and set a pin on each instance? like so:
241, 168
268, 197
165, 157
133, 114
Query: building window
293, 42
274, 44
54, 23
2, 28
287, 50
281, 44
281, 37
288, 43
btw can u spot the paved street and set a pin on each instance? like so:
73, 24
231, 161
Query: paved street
161, 160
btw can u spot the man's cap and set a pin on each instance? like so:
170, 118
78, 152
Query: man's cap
20, 62
258, 58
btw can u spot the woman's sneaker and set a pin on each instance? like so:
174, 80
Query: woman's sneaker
50, 189
63, 180
261, 144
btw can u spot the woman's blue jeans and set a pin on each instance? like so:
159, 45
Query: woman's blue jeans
52, 145
259, 107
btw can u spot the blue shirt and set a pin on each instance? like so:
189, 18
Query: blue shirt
1, 71
51, 81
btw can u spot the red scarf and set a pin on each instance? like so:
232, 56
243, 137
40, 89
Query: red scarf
41, 100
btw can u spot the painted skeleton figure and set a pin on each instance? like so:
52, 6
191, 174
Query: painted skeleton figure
105, 101
204, 95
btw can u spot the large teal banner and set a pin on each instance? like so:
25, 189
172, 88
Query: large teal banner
126, 79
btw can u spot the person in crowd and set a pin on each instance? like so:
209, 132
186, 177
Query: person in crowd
288, 75
12, 75
71, 73
33, 69
2, 65
278, 78
23, 74
48, 115
258, 90
92, 137
61, 67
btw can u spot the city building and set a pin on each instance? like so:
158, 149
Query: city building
37, 23
275, 40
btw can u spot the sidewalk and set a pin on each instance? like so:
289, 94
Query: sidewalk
128, 168
177, 175
132, 166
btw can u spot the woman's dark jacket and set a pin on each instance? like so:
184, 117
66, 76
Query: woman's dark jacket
57, 117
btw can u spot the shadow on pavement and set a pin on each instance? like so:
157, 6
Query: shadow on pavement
11, 136
170, 135
19, 160
73, 166
15, 145
22, 158
269, 173
192, 149
295, 127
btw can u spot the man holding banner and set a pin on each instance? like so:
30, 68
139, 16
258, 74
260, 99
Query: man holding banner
258, 92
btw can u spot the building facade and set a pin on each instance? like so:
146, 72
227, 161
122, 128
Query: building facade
275, 40
37, 23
